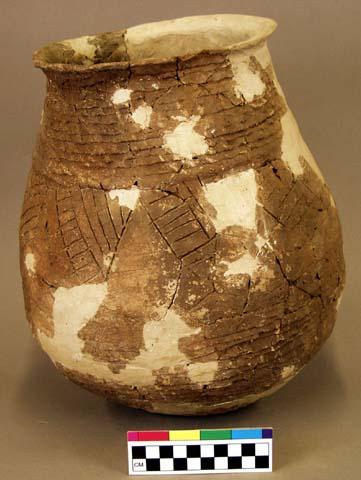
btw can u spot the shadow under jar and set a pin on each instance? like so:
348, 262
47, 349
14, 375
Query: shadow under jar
180, 250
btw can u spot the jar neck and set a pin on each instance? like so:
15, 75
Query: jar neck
158, 124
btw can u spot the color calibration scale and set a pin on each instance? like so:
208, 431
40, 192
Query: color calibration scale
235, 450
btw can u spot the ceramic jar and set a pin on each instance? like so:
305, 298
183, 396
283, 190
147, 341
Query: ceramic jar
180, 249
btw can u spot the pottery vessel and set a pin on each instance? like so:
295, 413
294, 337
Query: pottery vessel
180, 249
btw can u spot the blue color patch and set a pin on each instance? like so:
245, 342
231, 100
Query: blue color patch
247, 433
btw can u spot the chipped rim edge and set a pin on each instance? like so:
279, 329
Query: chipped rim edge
265, 28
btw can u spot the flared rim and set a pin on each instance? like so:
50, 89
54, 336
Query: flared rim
153, 43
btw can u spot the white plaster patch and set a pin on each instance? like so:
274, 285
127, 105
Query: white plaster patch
277, 84
184, 141
245, 265
161, 338
202, 372
82, 46
160, 348
72, 309
247, 83
291, 143
234, 199
142, 116
288, 371
293, 140
262, 55
293, 146
170, 291
121, 95
339, 301
30, 263
107, 258
115, 263
126, 197
261, 242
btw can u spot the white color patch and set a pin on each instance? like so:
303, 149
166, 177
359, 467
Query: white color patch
153, 451
30, 263
142, 115
245, 265
121, 95
247, 83
235, 450
126, 197
234, 199
72, 309
184, 141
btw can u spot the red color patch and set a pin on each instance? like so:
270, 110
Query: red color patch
150, 436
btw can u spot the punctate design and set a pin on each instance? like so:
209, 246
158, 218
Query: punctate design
180, 249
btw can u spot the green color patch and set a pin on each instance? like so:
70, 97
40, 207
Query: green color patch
216, 434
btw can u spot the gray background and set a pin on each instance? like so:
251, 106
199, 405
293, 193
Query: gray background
50, 428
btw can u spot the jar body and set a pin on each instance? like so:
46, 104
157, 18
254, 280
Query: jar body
180, 250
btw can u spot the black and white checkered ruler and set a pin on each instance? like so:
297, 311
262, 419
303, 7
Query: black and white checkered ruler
200, 451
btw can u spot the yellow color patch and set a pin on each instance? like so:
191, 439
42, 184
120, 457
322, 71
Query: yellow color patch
184, 435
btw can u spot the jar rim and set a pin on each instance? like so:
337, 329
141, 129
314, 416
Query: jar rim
155, 43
